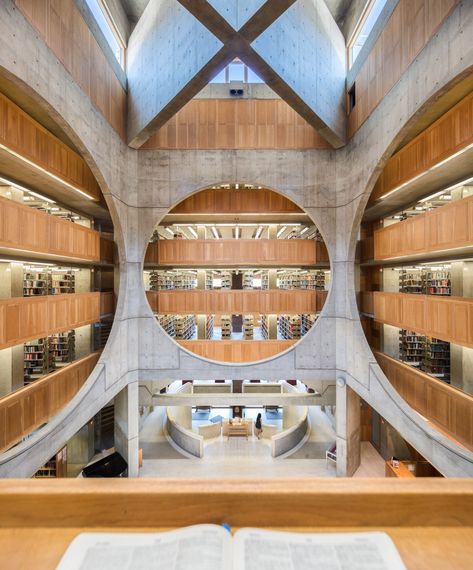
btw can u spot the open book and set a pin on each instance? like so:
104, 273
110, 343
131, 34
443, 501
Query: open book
212, 547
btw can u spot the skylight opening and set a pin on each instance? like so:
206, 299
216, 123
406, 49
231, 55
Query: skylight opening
236, 71
368, 20
106, 25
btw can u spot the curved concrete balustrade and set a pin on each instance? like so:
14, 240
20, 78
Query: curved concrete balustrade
288, 439
186, 439
209, 431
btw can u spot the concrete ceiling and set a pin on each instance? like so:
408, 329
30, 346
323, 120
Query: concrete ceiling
343, 11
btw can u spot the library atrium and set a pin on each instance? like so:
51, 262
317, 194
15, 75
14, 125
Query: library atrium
236, 275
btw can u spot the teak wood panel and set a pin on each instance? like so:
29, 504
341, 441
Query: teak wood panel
28, 318
444, 406
65, 32
107, 303
208, 302
236, 124
411, 25
242, 201
264, 252
28, 408
22, 227
236, 350
26, 137
447, 227
449, 134
447, 318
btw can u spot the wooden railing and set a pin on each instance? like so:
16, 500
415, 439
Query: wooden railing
446, 407
23, 135
445, 228
231, 252
107, 303
28, 318
447, 318
446, 136
366, 302
27, 229
236, 350
30, 407
106, 250
208, 302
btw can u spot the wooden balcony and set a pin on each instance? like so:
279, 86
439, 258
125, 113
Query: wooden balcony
449, 409
441, 230
30, 407
447, 318
25, 229
236, 252
29, 318
211, 302
236, 350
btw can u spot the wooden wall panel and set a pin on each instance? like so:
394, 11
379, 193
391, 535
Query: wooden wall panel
23, 135
236, 301
22, 227
28, 408
446, 407
63, 29
236, 124
447, 318
228, 252
411, 25
107, 303
445, 228
242, 201
27, 318
236, 350
452, 132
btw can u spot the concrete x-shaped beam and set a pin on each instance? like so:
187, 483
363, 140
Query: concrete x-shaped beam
295, 46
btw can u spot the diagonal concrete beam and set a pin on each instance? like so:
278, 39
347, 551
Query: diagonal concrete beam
179, 45
302, 56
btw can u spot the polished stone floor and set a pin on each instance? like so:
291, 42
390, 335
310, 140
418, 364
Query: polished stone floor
250, 458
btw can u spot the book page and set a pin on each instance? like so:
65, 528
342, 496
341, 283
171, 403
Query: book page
200, 547
255, 549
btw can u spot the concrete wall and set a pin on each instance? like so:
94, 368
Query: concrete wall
140, 187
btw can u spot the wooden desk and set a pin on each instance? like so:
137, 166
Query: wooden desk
401, 472
238, 429
430, 520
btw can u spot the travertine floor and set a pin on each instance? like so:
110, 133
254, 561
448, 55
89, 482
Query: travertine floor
243, 458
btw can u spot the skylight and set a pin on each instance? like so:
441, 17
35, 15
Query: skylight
108, 29
236, 71
367, 22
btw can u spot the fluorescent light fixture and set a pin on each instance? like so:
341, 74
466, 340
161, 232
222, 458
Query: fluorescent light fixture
20, 187
237, 232
215, 232
306, 229
259, 231
451, 157
168, 229
192, 231
50, 174
432, 196
281, 231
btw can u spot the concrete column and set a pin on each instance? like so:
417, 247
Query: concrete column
201, 326
348, 421
127, 426
273, 326
272, 279
272, 231
201, 273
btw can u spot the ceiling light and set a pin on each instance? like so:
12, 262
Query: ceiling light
428, 198
169, 230
306, 229
451, 157
215, 232
281, 231
259, 232
20, 187
237, 232
192, 231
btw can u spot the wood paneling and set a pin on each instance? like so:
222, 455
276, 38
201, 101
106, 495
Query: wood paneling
407, 31
28, 318
28, 408
106, 250
445, 228
65, 32
446, 407
236, 350
237, 124
447, 318
24, 228
107, 303
208, 302
229, 252
24, 136
242, 201
449, 134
